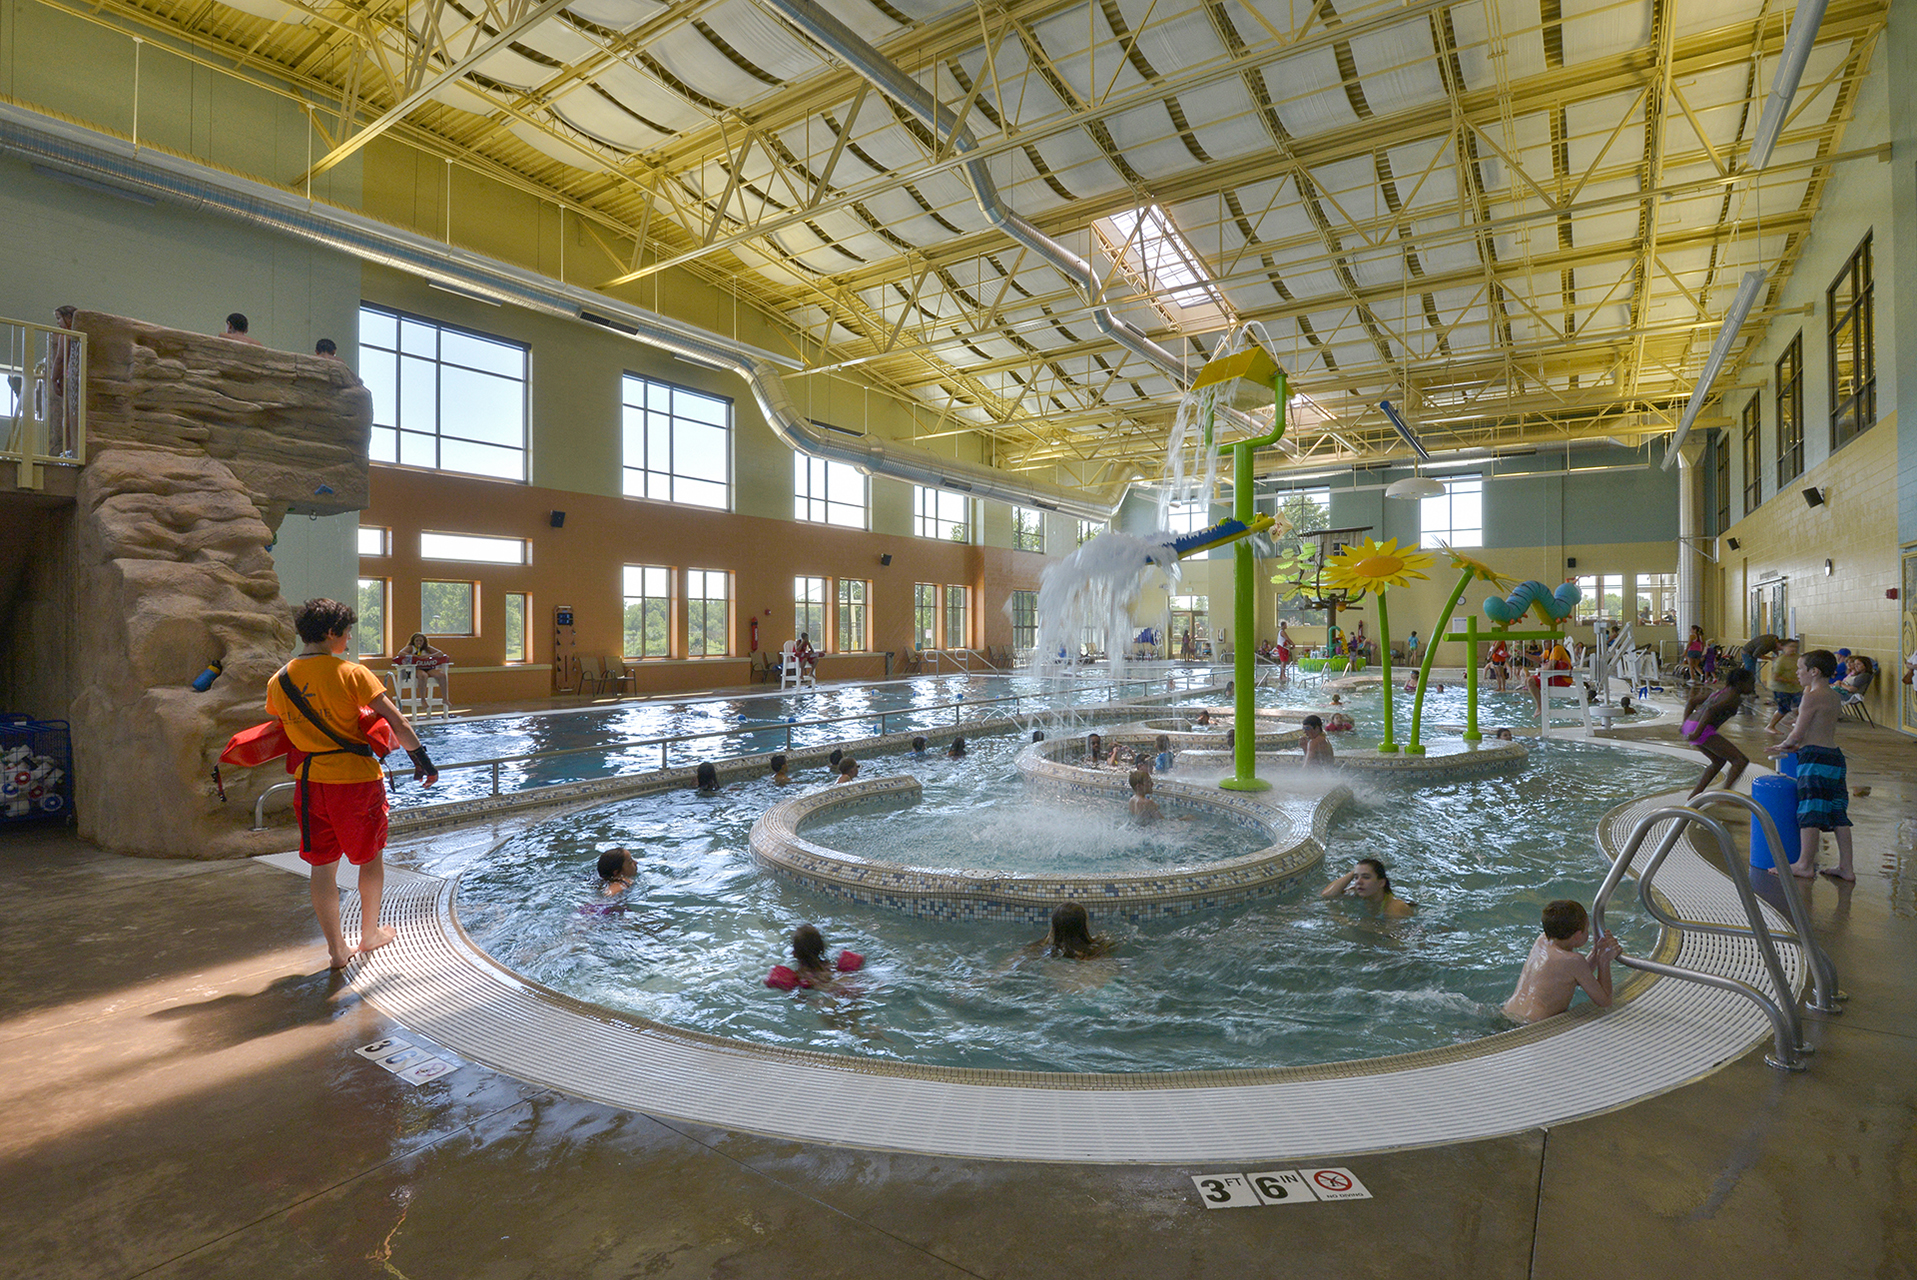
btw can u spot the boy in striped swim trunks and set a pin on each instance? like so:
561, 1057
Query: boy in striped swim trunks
1823, 795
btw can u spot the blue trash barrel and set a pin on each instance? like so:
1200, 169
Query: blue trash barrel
1777, 796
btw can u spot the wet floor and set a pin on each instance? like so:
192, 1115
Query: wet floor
181, 1099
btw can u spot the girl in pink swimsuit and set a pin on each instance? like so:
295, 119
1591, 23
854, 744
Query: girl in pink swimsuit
1707, 709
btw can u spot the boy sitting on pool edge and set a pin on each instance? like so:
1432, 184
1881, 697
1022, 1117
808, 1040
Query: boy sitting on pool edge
1554, 970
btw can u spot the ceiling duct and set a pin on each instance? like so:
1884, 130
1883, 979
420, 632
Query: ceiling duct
819, 26
1733, 321
44, 141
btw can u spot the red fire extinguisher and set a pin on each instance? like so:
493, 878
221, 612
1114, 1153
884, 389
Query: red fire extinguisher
755, 637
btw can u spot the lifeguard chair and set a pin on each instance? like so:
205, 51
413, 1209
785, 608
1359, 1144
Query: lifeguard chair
792, 672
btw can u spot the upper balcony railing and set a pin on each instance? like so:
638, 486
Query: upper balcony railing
43, 408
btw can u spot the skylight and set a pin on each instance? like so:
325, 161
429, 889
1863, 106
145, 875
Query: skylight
1167, 261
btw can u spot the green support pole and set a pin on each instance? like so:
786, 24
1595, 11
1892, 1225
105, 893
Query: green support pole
1390, 743
1244, 606
1415, 747
1471, 733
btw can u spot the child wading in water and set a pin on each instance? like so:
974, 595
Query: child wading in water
1554, 970
1144, 809
1823, 799
1318, 752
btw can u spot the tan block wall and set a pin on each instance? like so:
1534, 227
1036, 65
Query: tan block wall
1856, 530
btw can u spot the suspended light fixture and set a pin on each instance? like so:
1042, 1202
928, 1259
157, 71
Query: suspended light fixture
1790, 69
1414, 486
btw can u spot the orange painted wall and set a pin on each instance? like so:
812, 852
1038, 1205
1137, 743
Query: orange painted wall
580, 564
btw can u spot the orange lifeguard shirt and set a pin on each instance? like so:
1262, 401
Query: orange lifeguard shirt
337, 689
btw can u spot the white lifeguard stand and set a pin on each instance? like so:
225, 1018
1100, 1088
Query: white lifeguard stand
792, 672
418, 693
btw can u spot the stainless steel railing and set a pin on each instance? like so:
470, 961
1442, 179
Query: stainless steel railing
1786, 1026
957, 707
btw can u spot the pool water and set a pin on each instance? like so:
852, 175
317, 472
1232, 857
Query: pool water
1282, 981
602, 742
989, 818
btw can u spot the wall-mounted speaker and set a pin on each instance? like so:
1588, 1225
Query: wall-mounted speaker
1733, 543
558, 519
1813, 497
885, 558
1570, 562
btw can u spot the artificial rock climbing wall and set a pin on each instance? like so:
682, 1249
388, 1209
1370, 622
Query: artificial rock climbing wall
198, 447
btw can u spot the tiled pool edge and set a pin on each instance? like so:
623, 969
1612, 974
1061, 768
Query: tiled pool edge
434, 981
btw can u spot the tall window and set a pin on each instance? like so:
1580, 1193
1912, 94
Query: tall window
1024, 619
958, 632
448, 608
1721, 469
518, 646
853, 595
925, 616
443, 397
808, 610
677, 444
940, 513
1028, 529
1753, 479
1853, 359
827, 492
1611, 596
708, 613
1089, 529
1657, 599
1790, 412
1454, 517
1588, 599
369, 636
1187, 517
648, 614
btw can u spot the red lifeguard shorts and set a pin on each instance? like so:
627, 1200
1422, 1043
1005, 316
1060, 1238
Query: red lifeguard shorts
343, 818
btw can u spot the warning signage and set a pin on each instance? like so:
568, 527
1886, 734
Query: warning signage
1335, 1184
1278, 1186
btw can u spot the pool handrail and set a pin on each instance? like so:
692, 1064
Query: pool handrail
665, 744
1786, 1026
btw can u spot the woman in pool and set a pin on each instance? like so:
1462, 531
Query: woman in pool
1367, 881
1704, 714
1071, 936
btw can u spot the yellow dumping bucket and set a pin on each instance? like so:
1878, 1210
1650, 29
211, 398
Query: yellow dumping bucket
1243, 379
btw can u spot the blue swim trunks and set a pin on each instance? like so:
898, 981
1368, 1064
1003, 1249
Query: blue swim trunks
1823, 798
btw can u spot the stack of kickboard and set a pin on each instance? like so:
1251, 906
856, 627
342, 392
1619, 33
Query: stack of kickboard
36, 773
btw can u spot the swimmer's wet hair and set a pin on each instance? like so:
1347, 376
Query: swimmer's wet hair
1312, 722
836, 756
808, 947
1379, 868
320, 619
1072, 931
848, 766
1562, 919
611, 863
778, 764
918, 743
1139, 777
708, 776
1164, 742
1038, 735
958, 746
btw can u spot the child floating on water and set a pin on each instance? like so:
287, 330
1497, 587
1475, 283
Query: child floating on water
1071, 934
617, 871
1368, 882
809, 967
1554, 970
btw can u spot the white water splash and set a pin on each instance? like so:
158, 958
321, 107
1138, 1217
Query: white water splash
1088, 596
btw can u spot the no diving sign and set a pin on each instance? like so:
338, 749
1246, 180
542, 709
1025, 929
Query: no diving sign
1278, 1186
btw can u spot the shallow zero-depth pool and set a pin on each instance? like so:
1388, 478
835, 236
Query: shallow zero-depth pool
1283, 981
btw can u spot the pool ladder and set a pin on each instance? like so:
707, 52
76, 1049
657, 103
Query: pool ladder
1786, 1026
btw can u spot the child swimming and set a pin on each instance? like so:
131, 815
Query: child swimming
1144, 809
809, 967
1071, 935
1554, 971
617, 871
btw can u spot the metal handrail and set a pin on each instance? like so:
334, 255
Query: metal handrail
665, 744
1786, 1026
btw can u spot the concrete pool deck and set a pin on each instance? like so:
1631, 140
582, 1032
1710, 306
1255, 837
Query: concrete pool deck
182, 1100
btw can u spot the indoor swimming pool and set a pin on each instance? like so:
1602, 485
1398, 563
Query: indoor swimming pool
1282, 981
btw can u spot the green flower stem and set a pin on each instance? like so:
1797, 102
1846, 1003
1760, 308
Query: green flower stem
1384, 642
1415, 747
